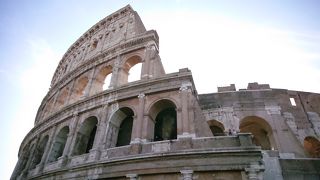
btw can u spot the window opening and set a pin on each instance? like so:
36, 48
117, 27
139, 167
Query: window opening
135, 72
293, 102
106, 82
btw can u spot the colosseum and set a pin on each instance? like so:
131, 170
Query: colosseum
94, 123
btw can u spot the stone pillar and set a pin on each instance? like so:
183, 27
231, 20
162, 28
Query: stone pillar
187, 174
145, 65
71, 137
102, 127
132, 176
52, 109
254, 171
70, 92
122, 76
148, 65
109, 135
275, 113
95, 152
47, 149
138, 123
148, 128
91, 79
184, 97
115, 73
83, 52
55, 99
87, 48
179, 121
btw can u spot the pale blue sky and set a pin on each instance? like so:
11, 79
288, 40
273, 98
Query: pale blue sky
271, 41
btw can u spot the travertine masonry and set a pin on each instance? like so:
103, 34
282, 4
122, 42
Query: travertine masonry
95, 124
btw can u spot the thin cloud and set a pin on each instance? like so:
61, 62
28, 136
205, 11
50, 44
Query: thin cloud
221, 50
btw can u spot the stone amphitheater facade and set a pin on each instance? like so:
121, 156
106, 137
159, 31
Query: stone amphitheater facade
159, 127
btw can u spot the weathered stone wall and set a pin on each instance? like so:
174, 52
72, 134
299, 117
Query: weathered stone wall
290, 124
79, 123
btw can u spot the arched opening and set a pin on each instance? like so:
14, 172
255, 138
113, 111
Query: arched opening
131, 70
85, 136
120, 127
107, 82
79, 88
261, 131
165, 116
312, 146
216, 128
125, 130
59, 144
39, 152
134, 73
62, 97
102, 79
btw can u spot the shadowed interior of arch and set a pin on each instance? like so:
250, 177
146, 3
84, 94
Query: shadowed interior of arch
216, 128
58, 144
38, 153
125, 129
120, 127
85, 136
165, 116
260, 129
166, 125
312, 146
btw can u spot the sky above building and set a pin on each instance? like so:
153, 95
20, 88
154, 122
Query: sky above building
222, 42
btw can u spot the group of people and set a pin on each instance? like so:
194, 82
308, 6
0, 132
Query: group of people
232, 132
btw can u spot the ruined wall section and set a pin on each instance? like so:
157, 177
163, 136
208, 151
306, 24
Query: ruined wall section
304, 116
118, 27
290, 123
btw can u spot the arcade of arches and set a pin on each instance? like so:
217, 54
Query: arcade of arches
102, 80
